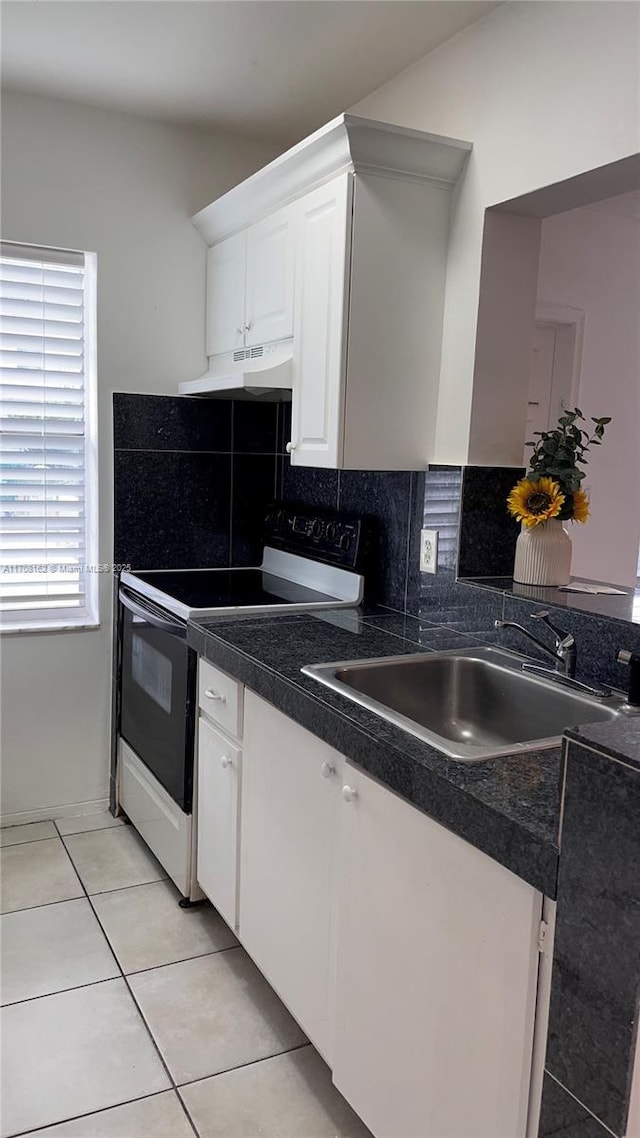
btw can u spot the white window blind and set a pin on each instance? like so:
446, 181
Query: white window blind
47, 442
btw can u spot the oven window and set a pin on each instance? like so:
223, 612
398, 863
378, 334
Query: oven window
151, 671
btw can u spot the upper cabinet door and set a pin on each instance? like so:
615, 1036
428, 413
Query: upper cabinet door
270, 276
226, 273
321, 298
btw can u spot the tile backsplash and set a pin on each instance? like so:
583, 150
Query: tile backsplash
191, 479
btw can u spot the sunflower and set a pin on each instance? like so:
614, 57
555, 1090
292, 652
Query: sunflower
581, 509
535, 502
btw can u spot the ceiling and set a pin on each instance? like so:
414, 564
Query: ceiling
277, 68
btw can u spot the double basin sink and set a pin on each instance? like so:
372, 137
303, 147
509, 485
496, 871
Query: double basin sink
472, 704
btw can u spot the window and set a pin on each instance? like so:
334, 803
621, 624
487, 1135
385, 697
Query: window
48, 468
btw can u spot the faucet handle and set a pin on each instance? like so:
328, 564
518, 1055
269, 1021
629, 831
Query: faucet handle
632, 661
564, 639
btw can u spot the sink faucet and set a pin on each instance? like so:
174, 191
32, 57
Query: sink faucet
564, 652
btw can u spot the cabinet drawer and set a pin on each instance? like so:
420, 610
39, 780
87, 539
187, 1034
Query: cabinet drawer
220, 697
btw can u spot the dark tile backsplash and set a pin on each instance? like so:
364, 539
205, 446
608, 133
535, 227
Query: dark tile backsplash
255, 427
384, 496
192, 477
488, 534
597, 638
254, 486
167, 422
309, 485
172, 509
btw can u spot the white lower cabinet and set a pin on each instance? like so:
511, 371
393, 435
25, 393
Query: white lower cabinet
290, 809
409, 957
436, 976
218, 802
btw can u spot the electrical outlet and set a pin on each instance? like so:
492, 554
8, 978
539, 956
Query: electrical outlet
428, 550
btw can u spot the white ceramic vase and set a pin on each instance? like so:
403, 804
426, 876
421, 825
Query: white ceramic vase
543, 555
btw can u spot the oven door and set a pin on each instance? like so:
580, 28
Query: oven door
157, 694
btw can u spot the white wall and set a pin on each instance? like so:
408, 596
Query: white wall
123, 187
590, 260
505, 327
544, 91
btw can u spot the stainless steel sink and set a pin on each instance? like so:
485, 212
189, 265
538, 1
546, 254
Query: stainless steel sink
472, 704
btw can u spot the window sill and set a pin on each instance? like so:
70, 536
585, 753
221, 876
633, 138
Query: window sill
58, 626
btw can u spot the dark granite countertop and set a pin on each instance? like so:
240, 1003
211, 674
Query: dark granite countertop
507, 807
619, 740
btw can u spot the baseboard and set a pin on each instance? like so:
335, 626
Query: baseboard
71, 810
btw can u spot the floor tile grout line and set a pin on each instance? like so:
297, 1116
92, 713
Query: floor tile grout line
123, 976
93, 1113
139, 1011
128, 987
28, 842
117, 825
157, 1048
44, 905
111, 946
242, 1066
63, 991
181, 960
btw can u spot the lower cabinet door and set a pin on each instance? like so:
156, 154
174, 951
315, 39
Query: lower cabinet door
290, 803
218, 800
436, 976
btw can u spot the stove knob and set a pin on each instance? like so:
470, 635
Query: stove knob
317, 528
345, 542
280, 519
331, 531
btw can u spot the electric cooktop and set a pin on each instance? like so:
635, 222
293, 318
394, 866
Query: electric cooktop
310, 561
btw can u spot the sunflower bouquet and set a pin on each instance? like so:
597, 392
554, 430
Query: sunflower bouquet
551, 488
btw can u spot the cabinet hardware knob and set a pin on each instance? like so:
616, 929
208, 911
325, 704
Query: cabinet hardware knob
349, 793
248, 326
290, 447
239, 331
327, 769
225, 762
216, 695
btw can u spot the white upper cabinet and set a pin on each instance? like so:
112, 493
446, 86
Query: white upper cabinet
226, 276
250, 286
354, 269
270, 276
324, 235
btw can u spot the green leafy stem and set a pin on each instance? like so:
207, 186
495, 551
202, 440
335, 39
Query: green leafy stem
560, 453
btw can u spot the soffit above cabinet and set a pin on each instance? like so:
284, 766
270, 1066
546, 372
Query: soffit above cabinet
347, 143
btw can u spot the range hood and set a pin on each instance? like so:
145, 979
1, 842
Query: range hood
256, 376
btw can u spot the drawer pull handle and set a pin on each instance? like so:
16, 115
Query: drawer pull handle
225, 762
349, 793
327, 769
290, 447
216, 695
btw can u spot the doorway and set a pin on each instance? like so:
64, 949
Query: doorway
554, 379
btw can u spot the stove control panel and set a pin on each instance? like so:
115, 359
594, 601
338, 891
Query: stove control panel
341, 539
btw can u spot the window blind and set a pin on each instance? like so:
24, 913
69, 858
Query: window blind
44, 420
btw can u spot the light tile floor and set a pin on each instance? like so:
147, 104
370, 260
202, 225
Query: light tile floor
125, 1016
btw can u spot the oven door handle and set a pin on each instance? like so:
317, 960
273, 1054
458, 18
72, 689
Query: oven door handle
152, 616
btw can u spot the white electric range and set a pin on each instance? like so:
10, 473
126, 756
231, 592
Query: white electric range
311, 561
